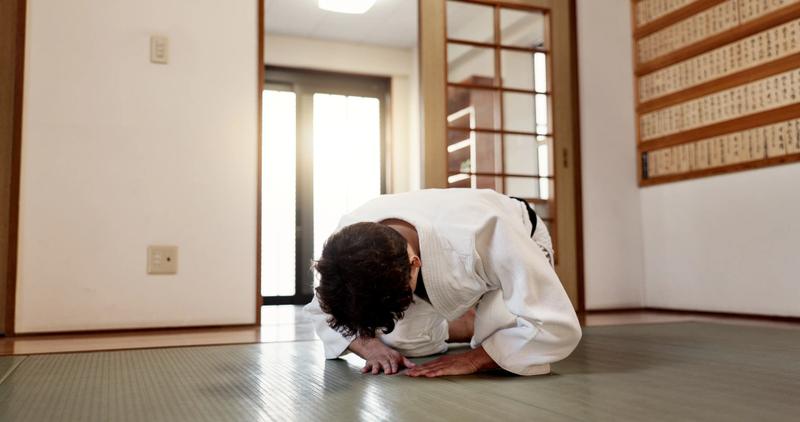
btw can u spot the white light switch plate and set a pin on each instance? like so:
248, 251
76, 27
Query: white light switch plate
162, 259
159, 49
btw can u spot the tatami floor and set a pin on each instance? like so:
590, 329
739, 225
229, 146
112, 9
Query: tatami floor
287, 323
645, 371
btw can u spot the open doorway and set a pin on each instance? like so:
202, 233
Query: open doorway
323, 155
341, 90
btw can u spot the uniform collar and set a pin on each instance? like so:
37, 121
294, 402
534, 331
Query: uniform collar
434, 251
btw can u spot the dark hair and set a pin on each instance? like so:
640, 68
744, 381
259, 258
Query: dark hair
364, 279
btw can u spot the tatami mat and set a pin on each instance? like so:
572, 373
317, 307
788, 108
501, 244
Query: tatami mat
685, 371
8, 364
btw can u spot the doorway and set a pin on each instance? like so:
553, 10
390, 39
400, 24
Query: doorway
323, 155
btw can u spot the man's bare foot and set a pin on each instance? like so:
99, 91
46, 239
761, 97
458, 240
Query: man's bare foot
462, 329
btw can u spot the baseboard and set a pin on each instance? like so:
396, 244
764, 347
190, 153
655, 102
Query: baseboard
615, 310
135, 331
781, 318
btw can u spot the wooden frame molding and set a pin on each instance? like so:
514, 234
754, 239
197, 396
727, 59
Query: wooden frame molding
433, 79
260, 30
576, 148
14, 27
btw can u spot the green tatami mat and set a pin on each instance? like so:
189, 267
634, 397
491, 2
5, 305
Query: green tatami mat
685, 371
8, 364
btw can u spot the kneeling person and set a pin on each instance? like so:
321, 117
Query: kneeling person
401, 266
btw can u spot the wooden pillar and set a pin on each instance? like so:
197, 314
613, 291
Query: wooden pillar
12, 49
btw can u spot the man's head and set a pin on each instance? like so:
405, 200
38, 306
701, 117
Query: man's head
367, 277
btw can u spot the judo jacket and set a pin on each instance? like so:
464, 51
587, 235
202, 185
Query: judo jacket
476, 249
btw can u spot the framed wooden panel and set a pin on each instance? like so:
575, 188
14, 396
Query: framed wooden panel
717, 86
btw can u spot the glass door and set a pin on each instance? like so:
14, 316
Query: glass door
323, 155
279, 192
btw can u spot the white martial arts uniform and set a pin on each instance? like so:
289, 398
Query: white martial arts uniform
475, 248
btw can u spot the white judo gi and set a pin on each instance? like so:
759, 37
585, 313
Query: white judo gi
475, 248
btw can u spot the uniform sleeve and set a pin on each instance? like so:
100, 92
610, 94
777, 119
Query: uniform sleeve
335, 344
529, 321
421, 332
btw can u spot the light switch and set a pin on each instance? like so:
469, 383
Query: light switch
162, 259
159, 49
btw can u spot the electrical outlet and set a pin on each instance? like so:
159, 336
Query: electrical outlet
159, 49
162, 259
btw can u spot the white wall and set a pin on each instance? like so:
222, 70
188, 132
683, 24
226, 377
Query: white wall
399, 64
612, 222
119, 153
727, 243
724, 244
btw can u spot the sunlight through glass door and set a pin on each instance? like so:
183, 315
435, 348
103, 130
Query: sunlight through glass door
279, 187
347, 159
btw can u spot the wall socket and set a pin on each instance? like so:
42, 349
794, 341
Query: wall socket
162, 259
159, 49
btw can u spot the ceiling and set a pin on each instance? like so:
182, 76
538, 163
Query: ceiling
391, 23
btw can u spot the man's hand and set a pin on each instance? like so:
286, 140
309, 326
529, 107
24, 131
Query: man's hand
379, 356
465, 363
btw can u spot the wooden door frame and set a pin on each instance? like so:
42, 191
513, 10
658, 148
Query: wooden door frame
260, 94
433, 76
13, 34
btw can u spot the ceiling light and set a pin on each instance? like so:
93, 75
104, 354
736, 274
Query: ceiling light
354, 7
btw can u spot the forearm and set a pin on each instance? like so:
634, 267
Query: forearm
462, 329
482, 360
362, 346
